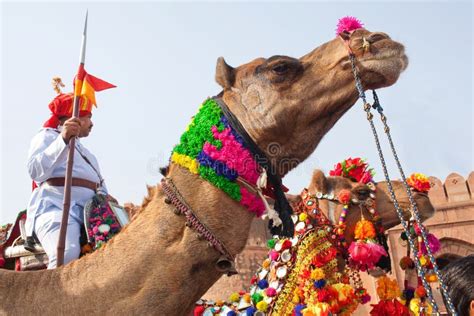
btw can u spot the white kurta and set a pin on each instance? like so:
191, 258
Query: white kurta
47, 158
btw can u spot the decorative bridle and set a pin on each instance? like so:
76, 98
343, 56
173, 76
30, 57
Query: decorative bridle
415, 212
311, 203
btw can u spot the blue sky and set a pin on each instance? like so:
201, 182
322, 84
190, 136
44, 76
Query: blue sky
162, 57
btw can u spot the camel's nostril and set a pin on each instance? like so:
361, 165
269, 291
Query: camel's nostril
375, 37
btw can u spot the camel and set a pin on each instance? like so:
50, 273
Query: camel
159, 266
383, 201
362, 199
334, 185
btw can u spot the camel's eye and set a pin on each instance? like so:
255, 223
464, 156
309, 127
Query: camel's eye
363, 194
280, 69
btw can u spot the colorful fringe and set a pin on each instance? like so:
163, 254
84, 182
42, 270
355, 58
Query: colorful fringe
213, 150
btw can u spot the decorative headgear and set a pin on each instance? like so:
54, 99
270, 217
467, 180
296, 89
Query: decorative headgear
62, 105
86, 85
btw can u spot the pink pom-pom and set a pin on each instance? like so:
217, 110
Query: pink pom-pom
366, 254
434, 243
274, 255
270, 292
348, 24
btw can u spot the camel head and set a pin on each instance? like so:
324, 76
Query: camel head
288, 104
361, 193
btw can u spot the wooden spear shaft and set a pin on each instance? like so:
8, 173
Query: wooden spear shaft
70, 157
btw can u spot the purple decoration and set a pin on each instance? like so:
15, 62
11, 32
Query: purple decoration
237, 137
219, 167
263, 284
319, 284
298, 309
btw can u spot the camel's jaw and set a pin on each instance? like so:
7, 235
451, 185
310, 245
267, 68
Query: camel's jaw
383, 68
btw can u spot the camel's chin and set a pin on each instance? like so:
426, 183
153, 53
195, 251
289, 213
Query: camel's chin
381, 73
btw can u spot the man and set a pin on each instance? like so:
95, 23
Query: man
47, 160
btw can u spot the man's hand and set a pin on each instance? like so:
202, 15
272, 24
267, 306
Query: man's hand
71, 128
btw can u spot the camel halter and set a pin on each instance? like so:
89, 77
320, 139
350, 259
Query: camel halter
226, 263
415, 213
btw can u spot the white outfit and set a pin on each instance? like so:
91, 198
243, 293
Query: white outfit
47, 158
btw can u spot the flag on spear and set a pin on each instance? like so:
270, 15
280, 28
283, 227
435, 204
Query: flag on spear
85, 86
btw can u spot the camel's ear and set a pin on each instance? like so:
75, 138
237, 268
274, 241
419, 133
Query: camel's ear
318, 183
225, 74
293, 199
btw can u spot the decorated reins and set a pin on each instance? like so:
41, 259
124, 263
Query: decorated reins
343, 34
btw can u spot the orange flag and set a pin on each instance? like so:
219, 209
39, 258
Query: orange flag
86, 85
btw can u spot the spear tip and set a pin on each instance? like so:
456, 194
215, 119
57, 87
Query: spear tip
85, 23
84, 40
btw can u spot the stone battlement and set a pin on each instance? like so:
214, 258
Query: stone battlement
454, 192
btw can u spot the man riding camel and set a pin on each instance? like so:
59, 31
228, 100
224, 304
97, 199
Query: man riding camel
47, 161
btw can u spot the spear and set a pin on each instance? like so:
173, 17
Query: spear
70, 157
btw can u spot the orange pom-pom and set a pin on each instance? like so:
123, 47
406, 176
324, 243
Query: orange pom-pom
344, 196
387, 289
420, 291
364, 229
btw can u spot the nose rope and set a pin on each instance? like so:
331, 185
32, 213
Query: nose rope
419, 268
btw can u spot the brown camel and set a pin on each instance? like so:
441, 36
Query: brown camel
157, 265
361, 192
383, 202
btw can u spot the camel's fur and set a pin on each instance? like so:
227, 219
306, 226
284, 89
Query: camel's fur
158, 266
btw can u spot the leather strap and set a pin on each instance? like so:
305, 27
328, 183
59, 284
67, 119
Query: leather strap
76, 182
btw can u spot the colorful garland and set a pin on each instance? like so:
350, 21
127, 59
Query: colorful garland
365, 251
213, 150
389, 304
355, 169
102, 223
299, 276
419, 182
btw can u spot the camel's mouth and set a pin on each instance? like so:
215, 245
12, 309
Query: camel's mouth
383, 66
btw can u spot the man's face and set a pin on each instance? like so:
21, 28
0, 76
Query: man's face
86, 125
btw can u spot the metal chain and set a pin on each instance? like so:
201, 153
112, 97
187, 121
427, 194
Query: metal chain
444, 290
367, 107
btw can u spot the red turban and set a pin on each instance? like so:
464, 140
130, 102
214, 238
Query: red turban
62, 106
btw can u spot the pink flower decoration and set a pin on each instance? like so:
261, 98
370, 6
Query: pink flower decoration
348, 24
434, 243
366, 253
366, 178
